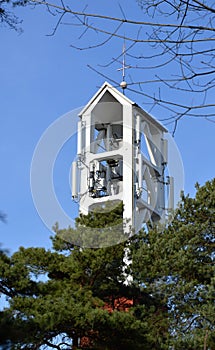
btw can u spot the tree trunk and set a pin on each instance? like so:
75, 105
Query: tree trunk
75, 342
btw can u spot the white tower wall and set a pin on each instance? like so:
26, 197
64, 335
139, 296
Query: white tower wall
121, 157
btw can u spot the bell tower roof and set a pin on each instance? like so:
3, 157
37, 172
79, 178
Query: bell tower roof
107, 93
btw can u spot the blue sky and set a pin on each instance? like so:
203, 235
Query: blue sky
42, 78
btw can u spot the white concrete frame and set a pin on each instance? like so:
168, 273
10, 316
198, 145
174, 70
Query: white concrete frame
142, 186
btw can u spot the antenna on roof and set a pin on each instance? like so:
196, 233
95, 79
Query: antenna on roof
123, 84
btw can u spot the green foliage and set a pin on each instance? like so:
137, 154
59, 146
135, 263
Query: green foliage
101, 228
177, 266
61, 296
69, 293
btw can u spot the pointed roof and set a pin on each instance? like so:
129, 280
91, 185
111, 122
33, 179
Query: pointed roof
100, 93
121, 98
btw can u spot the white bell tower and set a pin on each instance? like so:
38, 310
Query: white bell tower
121, 156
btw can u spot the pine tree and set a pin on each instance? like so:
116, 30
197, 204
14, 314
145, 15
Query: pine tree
75, 296
177, 266
78, 298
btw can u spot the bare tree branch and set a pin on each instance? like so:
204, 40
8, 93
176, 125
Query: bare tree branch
3, 217
175, 51
121, 20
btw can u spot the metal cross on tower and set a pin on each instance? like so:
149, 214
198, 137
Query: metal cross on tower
123, 84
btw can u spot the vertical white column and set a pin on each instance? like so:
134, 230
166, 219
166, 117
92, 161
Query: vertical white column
88, 133
108, 137
79, 138
140, 175
165, 150
84, 169
74, 180
128, 177
138, 128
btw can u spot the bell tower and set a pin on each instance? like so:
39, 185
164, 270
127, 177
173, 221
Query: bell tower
121, 156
